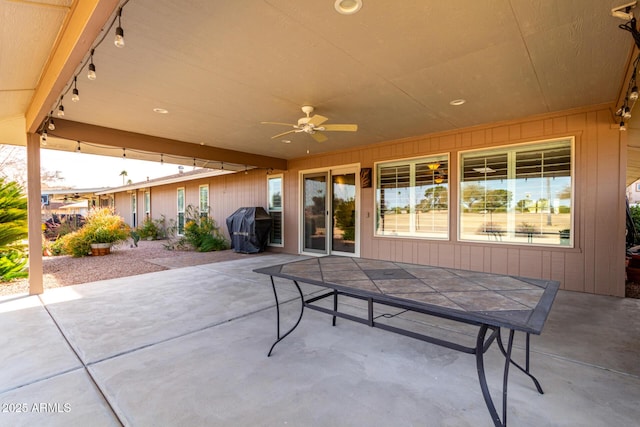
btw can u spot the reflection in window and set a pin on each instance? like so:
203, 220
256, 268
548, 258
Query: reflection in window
519, 194
274, 207
180, 219
412, 198
203, 207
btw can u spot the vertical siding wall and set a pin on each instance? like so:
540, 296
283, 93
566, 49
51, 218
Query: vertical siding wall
226, 194
594, 265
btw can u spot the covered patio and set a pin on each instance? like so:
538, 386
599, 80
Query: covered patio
188, 347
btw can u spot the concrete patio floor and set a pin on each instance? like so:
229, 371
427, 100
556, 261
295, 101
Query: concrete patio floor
187, 347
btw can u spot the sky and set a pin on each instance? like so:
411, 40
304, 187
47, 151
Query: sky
78, 170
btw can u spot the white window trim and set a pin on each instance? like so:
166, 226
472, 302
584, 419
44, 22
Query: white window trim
513, 147
207, 205
404, 161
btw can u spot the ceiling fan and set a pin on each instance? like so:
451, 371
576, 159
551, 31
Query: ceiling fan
311, 125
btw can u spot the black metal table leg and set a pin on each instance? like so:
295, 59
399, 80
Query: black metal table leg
526, 368
275, 294
335, 305
480, 349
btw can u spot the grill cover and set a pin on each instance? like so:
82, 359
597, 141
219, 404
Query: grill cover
249, 230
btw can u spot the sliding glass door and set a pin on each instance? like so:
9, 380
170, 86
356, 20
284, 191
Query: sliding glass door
329, 213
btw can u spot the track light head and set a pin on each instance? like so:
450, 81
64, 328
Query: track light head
633, 96
61, 111
622, 126
51, 125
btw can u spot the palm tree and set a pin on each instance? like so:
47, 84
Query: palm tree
123, 174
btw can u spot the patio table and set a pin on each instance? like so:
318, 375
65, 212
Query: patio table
489, 301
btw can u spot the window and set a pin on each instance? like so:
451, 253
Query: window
518, 194
204, 201
274, 206
180, 221
412, 198
147, 205
134, 210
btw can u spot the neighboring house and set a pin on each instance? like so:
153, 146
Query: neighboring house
633, 193
521, 198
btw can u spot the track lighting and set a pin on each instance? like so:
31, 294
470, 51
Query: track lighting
91, 75
622, 126
61, 109
633, 96
51, 126
43, 138
119, 41
626, 113
76, 95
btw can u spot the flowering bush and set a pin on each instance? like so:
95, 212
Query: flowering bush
102, 226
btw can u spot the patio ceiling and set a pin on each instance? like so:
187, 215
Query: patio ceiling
222, 67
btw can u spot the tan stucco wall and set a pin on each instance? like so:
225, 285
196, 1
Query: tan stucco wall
595, 264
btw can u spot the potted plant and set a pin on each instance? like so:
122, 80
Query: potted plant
103, 229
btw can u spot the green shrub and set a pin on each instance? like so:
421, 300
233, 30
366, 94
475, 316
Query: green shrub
13, 229
75, 244
202, 232
149, 228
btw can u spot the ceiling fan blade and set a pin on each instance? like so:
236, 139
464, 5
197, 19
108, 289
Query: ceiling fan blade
278, 123
340, 127
284, 133
318, 137
317, 120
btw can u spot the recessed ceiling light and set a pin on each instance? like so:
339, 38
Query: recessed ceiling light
457, 102
160, 110
347, 7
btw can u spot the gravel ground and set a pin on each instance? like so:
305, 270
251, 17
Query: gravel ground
123, 261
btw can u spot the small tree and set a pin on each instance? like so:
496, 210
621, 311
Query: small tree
13, 229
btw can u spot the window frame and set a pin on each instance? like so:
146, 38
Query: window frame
412, 162
180, 210
279, 210
203, 209
134, 209
511, 151
147, 204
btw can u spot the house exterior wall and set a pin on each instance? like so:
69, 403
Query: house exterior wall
633, 193
594, 265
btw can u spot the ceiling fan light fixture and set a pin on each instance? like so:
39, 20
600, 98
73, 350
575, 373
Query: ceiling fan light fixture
347, 7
